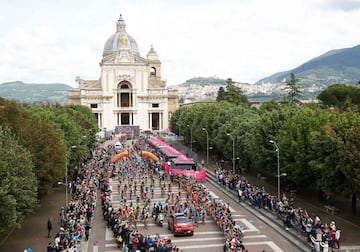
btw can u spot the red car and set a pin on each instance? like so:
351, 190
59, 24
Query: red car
179, 224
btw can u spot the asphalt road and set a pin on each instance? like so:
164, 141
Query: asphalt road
258, 236
33, 231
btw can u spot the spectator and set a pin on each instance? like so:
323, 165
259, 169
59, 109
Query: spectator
49, 227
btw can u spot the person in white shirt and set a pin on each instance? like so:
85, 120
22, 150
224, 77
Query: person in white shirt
57, 241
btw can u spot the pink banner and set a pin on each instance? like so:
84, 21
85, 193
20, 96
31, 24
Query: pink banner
197, 175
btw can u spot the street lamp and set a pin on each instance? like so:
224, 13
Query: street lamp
233, 152
66, 174
207, 146
278, 166
237, 165
191, 140
178, 124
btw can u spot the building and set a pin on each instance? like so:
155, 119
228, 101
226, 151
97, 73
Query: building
130, 91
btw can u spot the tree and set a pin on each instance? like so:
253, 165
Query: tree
293, 90
272, 117
220, 94
340, 96
294, 139
349, 154
18, 185
233, 94
45, 146
74, 125
84, 118
238, 121
39, 138
324, 157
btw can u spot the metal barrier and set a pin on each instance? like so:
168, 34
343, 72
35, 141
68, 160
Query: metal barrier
319, 246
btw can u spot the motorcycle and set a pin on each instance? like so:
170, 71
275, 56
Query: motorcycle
160, 219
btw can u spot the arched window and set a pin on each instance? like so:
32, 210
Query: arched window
124, 86
124, 95
152, 71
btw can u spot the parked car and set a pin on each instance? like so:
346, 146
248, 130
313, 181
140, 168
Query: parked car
179, 224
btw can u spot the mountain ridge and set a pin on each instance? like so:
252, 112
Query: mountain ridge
333, 67
338, 66
35, 92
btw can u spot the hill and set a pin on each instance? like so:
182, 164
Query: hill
204, 89
336, 66
35, 92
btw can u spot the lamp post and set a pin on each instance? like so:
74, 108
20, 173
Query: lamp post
233, 152
207, 146
191, 140
66, 174
278, 166
178, 124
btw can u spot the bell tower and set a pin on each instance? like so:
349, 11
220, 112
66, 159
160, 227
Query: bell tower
154, 69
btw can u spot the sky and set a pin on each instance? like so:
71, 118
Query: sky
54, 41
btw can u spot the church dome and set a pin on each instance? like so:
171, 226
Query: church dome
120, 40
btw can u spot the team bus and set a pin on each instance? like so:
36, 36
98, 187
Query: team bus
174, 162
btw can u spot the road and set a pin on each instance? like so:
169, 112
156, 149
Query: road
261, 233
258, 235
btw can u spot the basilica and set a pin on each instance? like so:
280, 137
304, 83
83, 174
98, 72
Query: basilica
130, 91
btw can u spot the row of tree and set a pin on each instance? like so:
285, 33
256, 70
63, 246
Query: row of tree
318, 146
35, 146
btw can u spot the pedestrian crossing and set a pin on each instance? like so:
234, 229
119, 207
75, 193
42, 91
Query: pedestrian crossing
202, 240
207, 235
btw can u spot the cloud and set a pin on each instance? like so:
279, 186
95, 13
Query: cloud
245, 40
344, 5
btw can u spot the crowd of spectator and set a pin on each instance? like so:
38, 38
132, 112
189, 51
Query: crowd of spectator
97, 171
76, 217
308, 225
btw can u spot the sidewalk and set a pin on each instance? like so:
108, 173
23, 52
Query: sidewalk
97, 232
33, 231
308, 200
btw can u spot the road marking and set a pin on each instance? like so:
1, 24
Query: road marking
202, 246
254, 236
271, 244
237, 215
232, 210
198, 237
187, 239
109, 234
213, 195
248, 224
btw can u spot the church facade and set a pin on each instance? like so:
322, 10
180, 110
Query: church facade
130, 91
